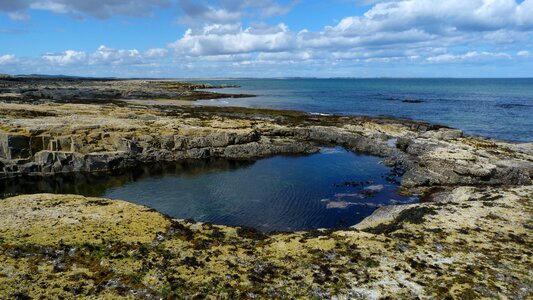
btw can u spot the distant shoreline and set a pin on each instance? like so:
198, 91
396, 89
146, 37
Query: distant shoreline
247, 78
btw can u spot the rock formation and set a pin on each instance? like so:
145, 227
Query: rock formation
470, 238
54, 138
468, 243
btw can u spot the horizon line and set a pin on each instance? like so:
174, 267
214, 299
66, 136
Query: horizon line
251, 77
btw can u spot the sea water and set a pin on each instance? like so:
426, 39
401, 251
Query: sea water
494, 108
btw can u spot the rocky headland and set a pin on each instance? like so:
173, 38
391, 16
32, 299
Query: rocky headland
89, 90
470, 238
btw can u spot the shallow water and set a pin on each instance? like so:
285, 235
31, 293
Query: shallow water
333, 188
496, 108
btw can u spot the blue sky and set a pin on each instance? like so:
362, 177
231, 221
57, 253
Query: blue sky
267, 38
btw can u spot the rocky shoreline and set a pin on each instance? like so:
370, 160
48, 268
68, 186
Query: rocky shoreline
52, 138
35, 89
471, 240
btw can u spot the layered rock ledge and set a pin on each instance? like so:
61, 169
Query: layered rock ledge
472, 239
54, 138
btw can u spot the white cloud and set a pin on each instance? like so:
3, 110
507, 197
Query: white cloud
18, 16
156, 53
193, 11
523, 53
200, 13
105, 56
227, 57
7, 59
471, 56
101, 9
55, 7
414, 26
444, 22
286, 56
441, 17
66, 58
229, 39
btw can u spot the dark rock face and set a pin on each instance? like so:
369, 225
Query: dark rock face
14, 146
57, 156
414, 155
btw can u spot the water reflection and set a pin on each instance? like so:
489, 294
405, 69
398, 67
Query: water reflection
334, 188
96, 184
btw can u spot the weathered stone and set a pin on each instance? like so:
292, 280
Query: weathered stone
402, 143
414, 251
59, 162
444, 134
436, 157
197, 153
36, 144
105, 161
14, 146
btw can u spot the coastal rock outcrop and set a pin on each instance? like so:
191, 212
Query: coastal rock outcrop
60, 138
469, 243
37, 89
469, 238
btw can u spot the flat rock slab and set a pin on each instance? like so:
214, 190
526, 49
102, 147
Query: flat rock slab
470, 243
50, 220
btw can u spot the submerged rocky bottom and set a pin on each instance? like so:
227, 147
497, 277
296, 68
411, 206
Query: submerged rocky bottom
330, 189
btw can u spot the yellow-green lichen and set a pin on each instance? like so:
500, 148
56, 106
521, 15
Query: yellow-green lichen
449, 249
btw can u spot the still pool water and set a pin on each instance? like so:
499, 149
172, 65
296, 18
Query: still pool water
333, 188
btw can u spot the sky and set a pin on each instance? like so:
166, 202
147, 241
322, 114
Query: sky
267, 38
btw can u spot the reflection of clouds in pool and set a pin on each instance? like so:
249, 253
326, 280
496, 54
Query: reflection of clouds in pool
375, 188
349, 195
339, 204
367, 192
401, 202
324, 150
344, 204
392, 143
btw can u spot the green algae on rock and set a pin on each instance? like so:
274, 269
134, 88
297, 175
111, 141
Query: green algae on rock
472, 242
76, 219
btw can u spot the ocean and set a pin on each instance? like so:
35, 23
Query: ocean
493, 108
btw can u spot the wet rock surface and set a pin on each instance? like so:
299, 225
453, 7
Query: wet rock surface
472, 239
